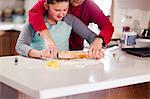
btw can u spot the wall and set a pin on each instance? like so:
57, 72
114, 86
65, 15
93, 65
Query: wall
138, 9
12, 11
29, 4
134, 4
105, 5
10, 4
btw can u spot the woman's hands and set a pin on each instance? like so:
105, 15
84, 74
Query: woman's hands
96, 50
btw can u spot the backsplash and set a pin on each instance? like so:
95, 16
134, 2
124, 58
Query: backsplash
139, 14
134, 4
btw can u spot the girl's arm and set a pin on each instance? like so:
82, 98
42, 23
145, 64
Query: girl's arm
80, 28
24, 40
85, 33
36, 19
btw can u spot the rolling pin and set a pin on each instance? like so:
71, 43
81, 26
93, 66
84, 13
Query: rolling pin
72, 55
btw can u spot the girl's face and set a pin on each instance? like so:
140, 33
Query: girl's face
58, 10
76, 2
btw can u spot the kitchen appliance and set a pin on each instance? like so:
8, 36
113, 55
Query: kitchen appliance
142, 42
145, 33
129, 38
141, 52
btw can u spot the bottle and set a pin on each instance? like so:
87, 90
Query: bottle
126, 22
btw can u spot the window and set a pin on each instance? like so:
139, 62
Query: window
105, 6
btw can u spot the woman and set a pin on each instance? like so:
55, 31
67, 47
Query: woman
87, 11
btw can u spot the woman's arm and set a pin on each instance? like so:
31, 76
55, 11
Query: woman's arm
97, 16
36, 16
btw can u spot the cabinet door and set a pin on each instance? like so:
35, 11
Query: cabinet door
1, 34
14, 37
8, 92
4, 43
0, 90
8, 41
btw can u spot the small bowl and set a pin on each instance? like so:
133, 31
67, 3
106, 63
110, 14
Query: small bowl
140, 42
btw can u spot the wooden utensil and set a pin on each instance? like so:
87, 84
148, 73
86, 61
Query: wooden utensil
73, 55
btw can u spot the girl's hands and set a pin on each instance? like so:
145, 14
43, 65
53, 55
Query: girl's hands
46, 54
49, 44
51, 48
43, 54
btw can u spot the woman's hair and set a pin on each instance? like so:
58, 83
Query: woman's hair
55, 1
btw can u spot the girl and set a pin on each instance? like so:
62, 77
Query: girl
60, 24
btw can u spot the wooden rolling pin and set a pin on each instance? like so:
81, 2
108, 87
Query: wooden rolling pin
72, 55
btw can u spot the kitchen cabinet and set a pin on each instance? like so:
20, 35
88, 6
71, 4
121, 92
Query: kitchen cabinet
13, 39
7, 92
0, 91
7, 42
137, 91
4, 43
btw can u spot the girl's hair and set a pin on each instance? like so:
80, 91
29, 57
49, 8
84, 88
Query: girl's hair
55, 1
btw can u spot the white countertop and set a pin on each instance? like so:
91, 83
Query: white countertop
11, 26
34, 78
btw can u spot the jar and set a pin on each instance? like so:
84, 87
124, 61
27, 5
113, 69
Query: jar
7, 15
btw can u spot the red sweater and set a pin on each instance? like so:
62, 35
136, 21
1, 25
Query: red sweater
87, 12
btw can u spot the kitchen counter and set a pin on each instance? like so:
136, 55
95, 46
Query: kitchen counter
11, 26
35, 78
